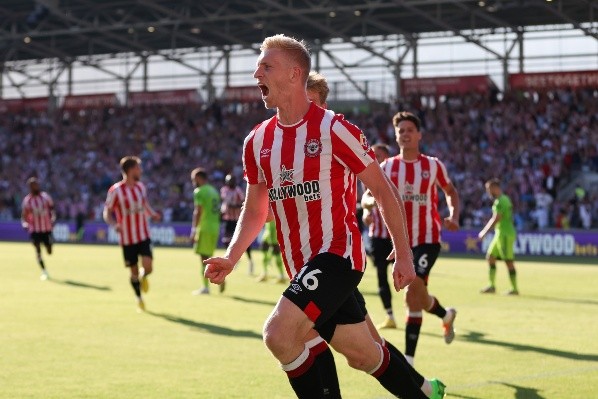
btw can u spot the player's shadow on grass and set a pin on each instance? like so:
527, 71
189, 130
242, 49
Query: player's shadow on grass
520, 392
563, 300
209, 328
254, 301
79, 284
479, 338
524, 392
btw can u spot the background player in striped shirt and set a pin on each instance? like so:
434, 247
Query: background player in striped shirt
37, 218
417, 177
317, 92
304, 163
380, 246
232, 197
205, 227
127, 200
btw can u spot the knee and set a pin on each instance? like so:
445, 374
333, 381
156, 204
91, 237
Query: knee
275, 339
359, 361
148, 268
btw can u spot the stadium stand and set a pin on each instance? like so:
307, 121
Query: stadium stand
536, 143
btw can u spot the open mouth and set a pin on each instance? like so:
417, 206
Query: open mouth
264, 89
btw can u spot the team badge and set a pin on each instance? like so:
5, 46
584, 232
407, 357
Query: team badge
312, 148
425, 174
364, 142
286, 175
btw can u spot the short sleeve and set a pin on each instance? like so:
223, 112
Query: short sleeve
350, 146
498, 207
198, 197
251, 170
111, 198
442, 177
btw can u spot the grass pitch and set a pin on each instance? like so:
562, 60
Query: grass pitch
79, 336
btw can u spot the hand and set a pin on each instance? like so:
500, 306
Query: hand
217, 269
403, 272
368, 202
481, 235
25, 225
192, 235
156, 217
367, 217
118, 227
451, 224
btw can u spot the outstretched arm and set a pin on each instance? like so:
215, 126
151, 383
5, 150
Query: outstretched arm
252, 219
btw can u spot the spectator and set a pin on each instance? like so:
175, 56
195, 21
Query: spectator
534, 142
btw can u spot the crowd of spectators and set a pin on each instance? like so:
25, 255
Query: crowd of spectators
535, 143
76, 154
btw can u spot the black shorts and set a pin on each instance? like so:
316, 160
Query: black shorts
424, 257
132, 252
229, 230
381, 248
360, 301
325, 290
42, 238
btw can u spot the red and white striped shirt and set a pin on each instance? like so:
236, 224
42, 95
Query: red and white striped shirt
129, 204
37, 210
416, 181
232, 199
309, 169
377, 228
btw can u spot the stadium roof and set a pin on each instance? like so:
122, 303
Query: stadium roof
67, 29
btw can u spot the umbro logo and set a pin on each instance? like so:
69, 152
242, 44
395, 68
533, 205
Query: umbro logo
265, 153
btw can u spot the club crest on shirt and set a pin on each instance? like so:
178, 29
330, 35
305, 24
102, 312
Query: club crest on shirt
364, 142
425, 174
286, 175
312, 148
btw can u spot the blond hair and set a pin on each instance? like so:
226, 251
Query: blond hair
318, 84
296, 49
